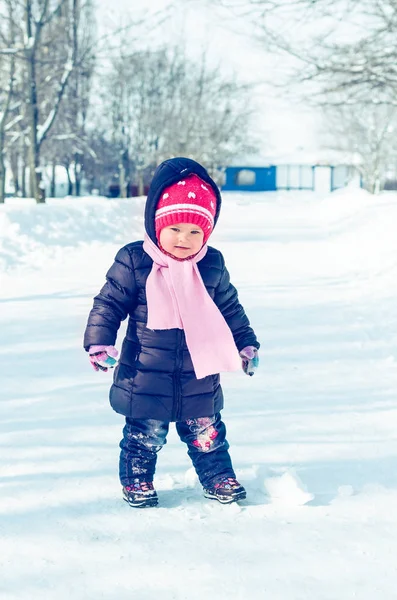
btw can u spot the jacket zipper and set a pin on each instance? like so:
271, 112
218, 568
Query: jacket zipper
177, 373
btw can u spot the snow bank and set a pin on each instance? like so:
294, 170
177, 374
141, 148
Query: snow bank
32, 234
312, 434
348, 234
353, 232
287, 489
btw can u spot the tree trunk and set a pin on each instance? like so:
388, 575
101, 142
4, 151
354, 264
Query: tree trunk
77, 175
4, 110
123, 174
32, 111
34, 153
70, 183
77, 184
53, 180
23, 178
14, 165
141, 188
122, 185
2, 177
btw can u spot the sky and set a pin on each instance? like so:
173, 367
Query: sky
282, 127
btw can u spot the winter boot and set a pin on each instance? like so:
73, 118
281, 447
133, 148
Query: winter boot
226, 491
140, 494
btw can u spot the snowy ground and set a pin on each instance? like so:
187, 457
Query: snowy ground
313, 434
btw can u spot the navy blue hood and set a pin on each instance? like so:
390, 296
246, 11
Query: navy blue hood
171, 171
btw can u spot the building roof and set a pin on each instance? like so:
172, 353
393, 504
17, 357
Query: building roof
299, 157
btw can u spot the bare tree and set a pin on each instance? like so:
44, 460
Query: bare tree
367, 134
210, 116
6, 93
135, 98
162, 104
340, 50
342, 58
100, 165
46, 49
35, 22
157, 103
68, 141
361, 69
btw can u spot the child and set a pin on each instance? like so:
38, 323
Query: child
185, 326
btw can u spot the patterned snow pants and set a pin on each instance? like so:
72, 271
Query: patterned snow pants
205, 438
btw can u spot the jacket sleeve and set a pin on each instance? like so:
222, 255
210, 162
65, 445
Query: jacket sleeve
113, 303
227, 301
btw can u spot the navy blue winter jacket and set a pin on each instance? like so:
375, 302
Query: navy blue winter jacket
154, 378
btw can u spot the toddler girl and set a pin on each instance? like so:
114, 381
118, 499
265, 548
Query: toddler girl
185, 327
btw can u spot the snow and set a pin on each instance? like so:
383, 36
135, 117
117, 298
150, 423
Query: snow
312, 433
299, 157
287, 489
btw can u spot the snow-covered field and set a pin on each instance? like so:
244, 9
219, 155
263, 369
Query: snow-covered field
313, 434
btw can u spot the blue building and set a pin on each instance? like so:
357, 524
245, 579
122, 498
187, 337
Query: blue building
251, 176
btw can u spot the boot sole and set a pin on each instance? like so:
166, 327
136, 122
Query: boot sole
146, 503
226, 499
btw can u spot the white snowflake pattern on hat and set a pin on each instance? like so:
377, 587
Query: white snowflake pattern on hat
188, 200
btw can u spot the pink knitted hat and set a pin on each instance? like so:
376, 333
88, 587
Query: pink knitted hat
191, 200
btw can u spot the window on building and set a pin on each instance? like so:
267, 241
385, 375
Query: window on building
306, 178
340, 176
245, 177
294, 177
282, 176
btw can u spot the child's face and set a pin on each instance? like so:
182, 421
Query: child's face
182, 240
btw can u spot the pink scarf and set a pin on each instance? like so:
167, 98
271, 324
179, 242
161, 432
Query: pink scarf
177, 298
